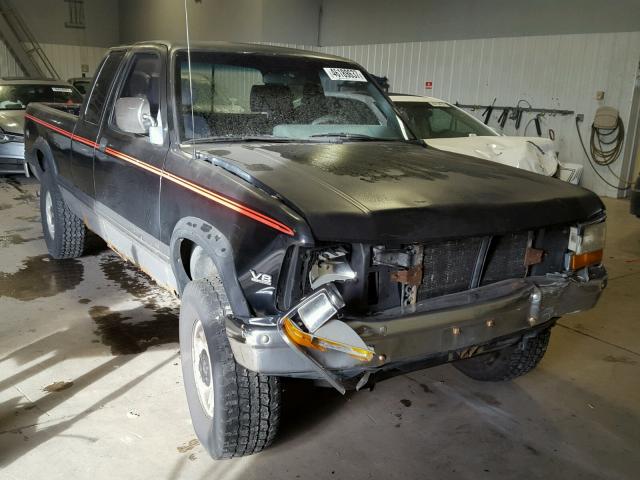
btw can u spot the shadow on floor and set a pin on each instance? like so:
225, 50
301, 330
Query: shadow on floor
304, 405
33, 434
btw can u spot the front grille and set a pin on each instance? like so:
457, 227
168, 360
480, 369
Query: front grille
448, 267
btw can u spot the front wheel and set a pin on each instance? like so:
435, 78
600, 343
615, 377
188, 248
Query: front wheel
509, 362
234, 411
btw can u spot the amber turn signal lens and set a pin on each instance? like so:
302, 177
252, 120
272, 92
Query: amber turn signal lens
582, 260
320, 343
300, 337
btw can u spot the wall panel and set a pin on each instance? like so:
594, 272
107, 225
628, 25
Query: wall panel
8, 66
66, 59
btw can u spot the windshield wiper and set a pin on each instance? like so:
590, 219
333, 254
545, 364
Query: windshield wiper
353, 136
270, 139
241, 139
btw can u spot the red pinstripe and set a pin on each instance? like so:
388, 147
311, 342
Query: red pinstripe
211, 195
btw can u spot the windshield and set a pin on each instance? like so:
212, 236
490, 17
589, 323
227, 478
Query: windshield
17, 97
236, 96
441, 120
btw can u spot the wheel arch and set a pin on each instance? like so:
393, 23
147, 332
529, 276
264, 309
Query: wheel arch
40, 158
192, 231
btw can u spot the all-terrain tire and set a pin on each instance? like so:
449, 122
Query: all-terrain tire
64, 232
246, 405
507, 363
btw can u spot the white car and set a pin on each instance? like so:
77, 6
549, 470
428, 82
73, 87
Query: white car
447, 127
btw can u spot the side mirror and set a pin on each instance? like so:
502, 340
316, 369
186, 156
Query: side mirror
133, 115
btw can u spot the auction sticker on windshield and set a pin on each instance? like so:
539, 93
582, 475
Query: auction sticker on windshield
348, 74
62, 89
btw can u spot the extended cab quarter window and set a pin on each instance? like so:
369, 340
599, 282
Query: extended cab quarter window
96, 102
143, 81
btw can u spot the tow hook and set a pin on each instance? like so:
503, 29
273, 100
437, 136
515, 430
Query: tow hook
310, 325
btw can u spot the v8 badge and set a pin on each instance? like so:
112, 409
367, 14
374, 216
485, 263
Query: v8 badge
258, 277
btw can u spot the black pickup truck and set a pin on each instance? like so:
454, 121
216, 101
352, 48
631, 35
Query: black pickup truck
306, 230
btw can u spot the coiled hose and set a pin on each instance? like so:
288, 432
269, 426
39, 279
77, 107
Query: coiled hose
606, 147
606, 144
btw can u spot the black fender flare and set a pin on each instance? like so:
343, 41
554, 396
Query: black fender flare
218, 248
40, 144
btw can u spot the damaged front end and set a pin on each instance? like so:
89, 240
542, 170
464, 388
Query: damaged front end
311, 330
355, 310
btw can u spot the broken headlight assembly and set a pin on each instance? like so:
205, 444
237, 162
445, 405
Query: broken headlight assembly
311, 331
306, 269
310, 324
586, 244
330, 265
311, 327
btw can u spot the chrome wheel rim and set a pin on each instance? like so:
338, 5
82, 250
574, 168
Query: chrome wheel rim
48, 210
201, 365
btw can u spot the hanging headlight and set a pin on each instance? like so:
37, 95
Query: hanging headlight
309, 324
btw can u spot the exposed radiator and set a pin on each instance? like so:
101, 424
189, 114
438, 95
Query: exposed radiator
448, 267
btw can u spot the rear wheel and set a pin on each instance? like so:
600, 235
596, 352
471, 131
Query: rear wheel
507, 363
64, 232
234, 411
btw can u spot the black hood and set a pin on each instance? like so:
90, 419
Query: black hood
399, 192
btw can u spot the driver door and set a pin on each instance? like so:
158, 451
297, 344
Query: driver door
128, 166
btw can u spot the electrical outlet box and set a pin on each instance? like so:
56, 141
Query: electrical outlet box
580, 117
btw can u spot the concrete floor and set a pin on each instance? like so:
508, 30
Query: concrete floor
90, 385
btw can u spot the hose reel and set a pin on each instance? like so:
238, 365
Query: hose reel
607, 136
607, 140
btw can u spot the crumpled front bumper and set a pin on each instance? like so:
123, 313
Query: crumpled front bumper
450, 323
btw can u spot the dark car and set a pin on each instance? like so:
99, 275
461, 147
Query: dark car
82, 84
306, 230
15, 95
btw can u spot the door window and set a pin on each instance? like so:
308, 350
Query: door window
143, 81
96, 102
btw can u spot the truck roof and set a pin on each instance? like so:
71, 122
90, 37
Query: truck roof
232, 47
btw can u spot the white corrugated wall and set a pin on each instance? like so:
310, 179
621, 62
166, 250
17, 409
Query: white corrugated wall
66, 59
8, 66
556, 71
